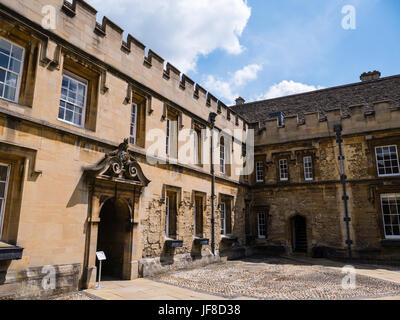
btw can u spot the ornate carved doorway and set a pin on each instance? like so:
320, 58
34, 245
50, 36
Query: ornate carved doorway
115, 184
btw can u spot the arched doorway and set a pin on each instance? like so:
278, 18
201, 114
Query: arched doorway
299, 234
114, 238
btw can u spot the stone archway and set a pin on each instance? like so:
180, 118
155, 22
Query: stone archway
299, 234
115, 239
115, 184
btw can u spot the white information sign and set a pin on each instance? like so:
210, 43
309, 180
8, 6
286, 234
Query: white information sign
101, 255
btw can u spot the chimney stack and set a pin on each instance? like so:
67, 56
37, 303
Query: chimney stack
370, 76
240, 101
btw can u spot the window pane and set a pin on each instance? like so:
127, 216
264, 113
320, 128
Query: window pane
9, 93
72, 86
4, 60
3, 173
68, 116
15, 66
2, 76
11, 80
1, 90
388, 231
17, 53
61, 113
2, 189
5, 47
65, 82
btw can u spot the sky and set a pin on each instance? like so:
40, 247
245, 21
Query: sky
261, 49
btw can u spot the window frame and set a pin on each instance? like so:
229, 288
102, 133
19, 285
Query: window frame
388, 195
168, 139
281, 178
134, 125
310, 168
83, 81
258, 169
261, 227
223, 218
20, 75
167, 216
377, 164
4, 203
222, 156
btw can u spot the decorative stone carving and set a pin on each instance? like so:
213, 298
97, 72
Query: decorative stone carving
119, 165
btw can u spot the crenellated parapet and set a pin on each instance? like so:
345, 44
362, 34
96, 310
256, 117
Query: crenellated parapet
77, 24
359, 119
133, 53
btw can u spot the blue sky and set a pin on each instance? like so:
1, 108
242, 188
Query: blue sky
262, 49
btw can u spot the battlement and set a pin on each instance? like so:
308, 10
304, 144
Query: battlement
381, 115
76, 17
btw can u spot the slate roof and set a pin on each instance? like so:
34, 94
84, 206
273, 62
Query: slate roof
360, 93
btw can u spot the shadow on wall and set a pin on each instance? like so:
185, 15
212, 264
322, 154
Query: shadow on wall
80, 194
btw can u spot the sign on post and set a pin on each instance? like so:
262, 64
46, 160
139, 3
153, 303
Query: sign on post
101, 256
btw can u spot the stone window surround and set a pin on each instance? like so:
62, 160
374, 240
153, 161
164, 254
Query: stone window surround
203, 196
30, 45
178, 191
84, 71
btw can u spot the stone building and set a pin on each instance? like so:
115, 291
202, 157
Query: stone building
91, 134
296, 189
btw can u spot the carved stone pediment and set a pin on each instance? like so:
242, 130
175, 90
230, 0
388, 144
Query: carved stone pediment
119, 165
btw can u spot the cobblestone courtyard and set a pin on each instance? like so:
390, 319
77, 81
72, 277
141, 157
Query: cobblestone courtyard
281, 278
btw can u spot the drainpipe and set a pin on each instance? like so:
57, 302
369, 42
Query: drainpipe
338, 129
213, 115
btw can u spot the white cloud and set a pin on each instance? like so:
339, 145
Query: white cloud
286, 88
181, 30
228, 89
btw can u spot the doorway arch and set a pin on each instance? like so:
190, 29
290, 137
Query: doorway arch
115, 238
299, 234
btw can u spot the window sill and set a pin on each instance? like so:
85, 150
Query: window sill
10, 252
173, 243
390, 243
201, 241
228, 239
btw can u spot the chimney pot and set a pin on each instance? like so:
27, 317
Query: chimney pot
240, 101
369, 76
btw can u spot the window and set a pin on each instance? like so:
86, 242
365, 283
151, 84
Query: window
198, 146
260, 172
223, 218
171, 149
198, 217
222, 156
226, 219
73, 100
11, 63
171, 214
283, 170
387, 161
279, 116
4, 179
134, 112
308, 169
391, 215
261, 226
168, 141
